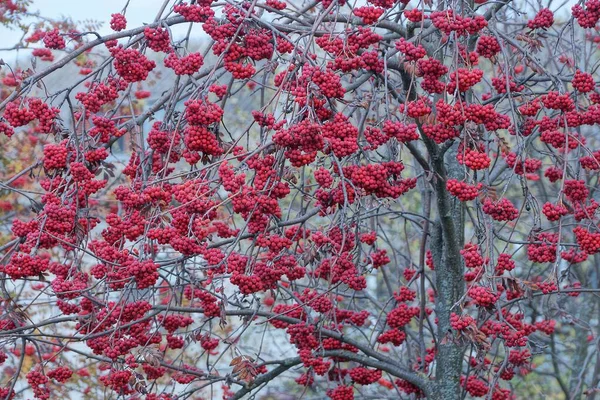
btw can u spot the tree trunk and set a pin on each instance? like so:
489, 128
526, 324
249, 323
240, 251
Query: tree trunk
449, 278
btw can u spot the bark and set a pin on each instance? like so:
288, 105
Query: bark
449, 280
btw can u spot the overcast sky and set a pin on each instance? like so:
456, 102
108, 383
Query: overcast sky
138, 12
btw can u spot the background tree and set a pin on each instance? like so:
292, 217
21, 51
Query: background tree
379, 200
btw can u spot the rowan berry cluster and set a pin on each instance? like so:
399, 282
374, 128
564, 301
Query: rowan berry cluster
554, 212
464, 79
556, 101
543, 19
410, 51
23, 265
100, 94
158, 39
583, 82
341, 136
130, 64
17, 116
341, 269
542, 247
380, 179
54, 40
461, 322
588, 242
118, 22
364, 376
576, 190
482, 296
447, 21
369, 15
393, 336
474, 386
417, 108
55, 156
474, 158
501, 210
488, 46
341, 393
472, 256
431, 70
38, 383
401, 315
187, 65
415, 15
504, 263
60, 374
589, 16
199, 12
463, 190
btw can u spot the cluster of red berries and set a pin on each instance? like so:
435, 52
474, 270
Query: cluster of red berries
553, 174
158, 39
23, 265
556, 101
501, 210
403, 132
55, 156
463, 190
474, 158
393, 336
461, 322
199, 12
472, 256
431, 70
369, 15
474, 386
542, 247
520, 167
554, 212
482, 296
506, 84
464, 79
341, 393
187, 65
380, 179
576, 190
415, 15
447, 21
588, 242
401, 315
588, 17
100, 94
54, 40
17, 116
323, 177
440, 133
118, 22
504, 263
543, 19
38, 383
60, 374
583, 82
276, 4
364, 376
131, 65
410, 51
417, 108
341, 135
488, 46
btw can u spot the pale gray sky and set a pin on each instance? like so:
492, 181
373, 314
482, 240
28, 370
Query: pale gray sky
138, 12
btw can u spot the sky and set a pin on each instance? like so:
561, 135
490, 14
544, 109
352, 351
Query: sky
138, 12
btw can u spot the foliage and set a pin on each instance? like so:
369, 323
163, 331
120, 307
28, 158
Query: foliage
393, 199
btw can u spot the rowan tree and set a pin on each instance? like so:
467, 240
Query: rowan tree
320, 199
